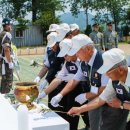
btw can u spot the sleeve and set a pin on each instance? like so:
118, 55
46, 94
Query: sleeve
116, 40
105, 39
104, 80
91, 36
63, 72
46, 61
102, 41
45, 56
79, 75
108, 92
6, 41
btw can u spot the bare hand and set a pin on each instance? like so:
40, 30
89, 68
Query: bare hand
115, 102
74, 111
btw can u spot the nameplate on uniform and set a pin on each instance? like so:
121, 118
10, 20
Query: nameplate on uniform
72, 68
119, 91
94, 89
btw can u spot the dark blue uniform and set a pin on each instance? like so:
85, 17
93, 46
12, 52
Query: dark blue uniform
55, 66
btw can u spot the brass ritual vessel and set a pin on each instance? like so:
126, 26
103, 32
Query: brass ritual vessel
26, 93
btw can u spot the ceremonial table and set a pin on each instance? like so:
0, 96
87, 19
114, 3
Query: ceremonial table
37, 121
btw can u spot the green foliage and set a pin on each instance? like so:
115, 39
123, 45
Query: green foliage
88, 30
45, 20
77, 5
110, 10
126, 30
22, 24
13, 8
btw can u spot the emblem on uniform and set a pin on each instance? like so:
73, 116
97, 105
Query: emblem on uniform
119, 91
72, 68
85, 73
96, 75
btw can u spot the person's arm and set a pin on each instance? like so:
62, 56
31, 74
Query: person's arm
105, 40
87, 107
43, 72
104, 82
73, 83
53, 85
102, 41
6, 44
69, 87
126, 105
57, 81
7, 54
44, 69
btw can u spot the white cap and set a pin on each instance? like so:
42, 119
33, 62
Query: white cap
62, 31
78, 42
53, 27
111, 58
74, 27
65, 46
52, 39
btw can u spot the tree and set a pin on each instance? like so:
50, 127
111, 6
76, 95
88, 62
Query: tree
13, 8
39, 6
110, 10
45, 20
77, 5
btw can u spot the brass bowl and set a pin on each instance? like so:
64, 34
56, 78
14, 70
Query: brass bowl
26, 93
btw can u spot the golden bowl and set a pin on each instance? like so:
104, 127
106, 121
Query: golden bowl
26, 93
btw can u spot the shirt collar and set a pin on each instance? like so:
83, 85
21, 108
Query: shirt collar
127, 82
92, 58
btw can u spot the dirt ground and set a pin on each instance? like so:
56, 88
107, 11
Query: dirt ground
41, 50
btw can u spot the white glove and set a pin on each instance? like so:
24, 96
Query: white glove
40, 96
11, 65
37, 79
81, 98
42, 86
55, 100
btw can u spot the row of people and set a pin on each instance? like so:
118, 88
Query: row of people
106, 40
76, 84
61, 33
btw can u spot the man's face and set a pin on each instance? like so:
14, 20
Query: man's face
114, 74
55, 47
70, 58
75, 32
83, 54
96, 28
110, 27
8, 27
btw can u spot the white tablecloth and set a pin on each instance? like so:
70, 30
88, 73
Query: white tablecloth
47, 121
37, 121
8, 115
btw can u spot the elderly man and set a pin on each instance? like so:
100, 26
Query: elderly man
67, 72
91, 61
6, 62
74, 29
116, 94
